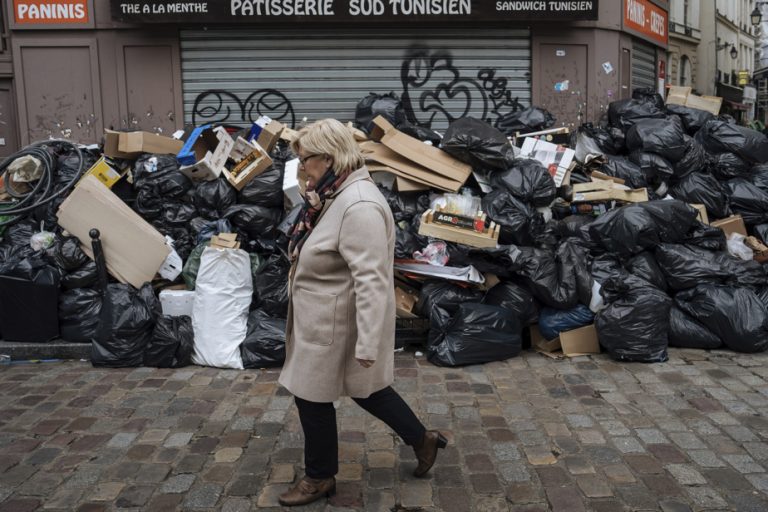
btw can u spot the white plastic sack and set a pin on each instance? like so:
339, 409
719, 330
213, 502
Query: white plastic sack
596, 303
220, 312
737, 247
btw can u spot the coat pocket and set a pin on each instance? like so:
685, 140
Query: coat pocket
314, 316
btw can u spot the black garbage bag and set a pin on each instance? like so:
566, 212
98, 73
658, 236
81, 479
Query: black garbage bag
203, 230
171, 344
634, 324
573, 225
20, 233
127, 321
148, 204
150, 168
551, 276
79, 314
748, 200
761, 232
648, 95
67, 254
694, 160
405, 243
718, 136
644, 265
596, 137
705, 236
520, 223
175, 214
759, 176
527, 180
554, 321
68, 164
476, 334
495, 260
702, 188
256, 221
33, 267
686, 332
477, 143
728, 165
270, 285
373, 105
515, 298
264, 344
183, 241
213, 198
664, 137
735, 315
625, 231
84, 277
685, 266
624, 113
625, 169
444, 295
655, 167
532, 119
673, 218
405, 205
420, 132
693, 118
266, 189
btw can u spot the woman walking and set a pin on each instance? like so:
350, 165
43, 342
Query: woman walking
341, 316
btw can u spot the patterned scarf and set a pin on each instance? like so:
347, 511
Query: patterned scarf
313, 205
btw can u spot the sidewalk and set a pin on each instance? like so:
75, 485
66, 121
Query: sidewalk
526, 434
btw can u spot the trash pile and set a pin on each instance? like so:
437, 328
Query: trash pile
642, 232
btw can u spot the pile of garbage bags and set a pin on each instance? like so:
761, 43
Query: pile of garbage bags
648, 275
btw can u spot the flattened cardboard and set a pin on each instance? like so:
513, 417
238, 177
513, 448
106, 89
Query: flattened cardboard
133, 249
406, 185
401, 166
435, 160
732, 224
145, 142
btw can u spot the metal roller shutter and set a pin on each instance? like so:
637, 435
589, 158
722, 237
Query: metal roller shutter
643, 65
440, 74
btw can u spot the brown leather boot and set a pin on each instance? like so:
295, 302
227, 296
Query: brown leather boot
426, 451
308, 490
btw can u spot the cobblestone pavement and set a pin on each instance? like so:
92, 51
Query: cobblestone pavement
526, 434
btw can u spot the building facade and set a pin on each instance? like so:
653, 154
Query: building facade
71, 69
684, 40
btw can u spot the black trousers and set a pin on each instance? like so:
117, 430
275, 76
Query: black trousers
321, 442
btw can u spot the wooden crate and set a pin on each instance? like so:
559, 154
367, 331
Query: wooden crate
488, 238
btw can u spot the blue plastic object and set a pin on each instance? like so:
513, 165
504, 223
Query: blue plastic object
187, 154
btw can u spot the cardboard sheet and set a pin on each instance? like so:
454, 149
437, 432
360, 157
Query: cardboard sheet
133, 249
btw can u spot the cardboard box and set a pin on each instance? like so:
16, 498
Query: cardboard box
133, 249
288, 134
291, 185
210, 149
732, 224
269, 135
136, 143
177, 302
104, 172
255, 162
404, 303
682, 95
577, 342
225, 241
111, 141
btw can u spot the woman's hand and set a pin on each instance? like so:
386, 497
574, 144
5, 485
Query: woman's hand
365, 363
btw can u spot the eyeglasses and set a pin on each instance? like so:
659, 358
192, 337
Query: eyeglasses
303, 161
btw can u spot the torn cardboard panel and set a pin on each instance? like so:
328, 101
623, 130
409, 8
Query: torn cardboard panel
407, 169
682, 95
129, 145
732, 224
404, 303
133, 249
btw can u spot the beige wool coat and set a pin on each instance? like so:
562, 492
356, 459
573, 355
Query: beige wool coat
342, 299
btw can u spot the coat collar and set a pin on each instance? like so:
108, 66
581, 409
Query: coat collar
355, 176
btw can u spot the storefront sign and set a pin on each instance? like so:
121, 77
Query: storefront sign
50, 12
647, 20
350, 11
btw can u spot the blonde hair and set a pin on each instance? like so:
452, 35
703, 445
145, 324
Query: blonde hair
330, 137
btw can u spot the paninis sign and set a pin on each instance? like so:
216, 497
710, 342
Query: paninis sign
50, 12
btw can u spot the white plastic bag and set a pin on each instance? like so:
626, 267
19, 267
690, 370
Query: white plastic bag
220, 313
596, 303
737, 247
42, 239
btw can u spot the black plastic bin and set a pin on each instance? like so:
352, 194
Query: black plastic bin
28, 311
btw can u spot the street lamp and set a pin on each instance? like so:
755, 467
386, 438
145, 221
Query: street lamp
733, 53
757, 16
